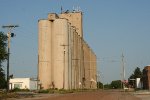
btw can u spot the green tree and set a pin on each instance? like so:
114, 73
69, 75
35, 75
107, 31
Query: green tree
3, 44
107, 86
116, 84
3, 57
2, 79
99, 85
137, 73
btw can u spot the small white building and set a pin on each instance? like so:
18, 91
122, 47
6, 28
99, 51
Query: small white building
23, 83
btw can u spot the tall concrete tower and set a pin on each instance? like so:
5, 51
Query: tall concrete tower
53, 52
62, 53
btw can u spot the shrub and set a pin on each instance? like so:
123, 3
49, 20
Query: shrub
43, 91
20, 90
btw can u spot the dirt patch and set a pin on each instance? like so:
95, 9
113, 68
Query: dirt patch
97, 95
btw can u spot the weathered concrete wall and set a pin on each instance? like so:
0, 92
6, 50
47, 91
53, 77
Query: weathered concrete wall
86, 64
89, 67
75, 19
93, 69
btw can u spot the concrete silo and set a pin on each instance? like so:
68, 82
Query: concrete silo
44, 53
60, 53
64, 58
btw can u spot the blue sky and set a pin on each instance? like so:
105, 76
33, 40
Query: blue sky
110, 28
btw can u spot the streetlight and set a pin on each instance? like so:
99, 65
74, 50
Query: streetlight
9, 35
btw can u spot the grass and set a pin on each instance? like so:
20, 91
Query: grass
8, 95
19, 93
64, 91
15, 93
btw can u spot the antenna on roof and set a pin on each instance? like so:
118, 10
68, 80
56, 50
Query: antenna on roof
61, 9
73, 9
79, 9
76, 9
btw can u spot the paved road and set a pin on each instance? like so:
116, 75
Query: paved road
143, 97
98, 95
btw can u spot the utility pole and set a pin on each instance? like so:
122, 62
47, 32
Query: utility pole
98, 80
64, 66
9, 35
123, 70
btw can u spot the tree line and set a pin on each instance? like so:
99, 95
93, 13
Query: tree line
118, 84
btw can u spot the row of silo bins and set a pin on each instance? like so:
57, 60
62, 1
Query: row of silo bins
65, 59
